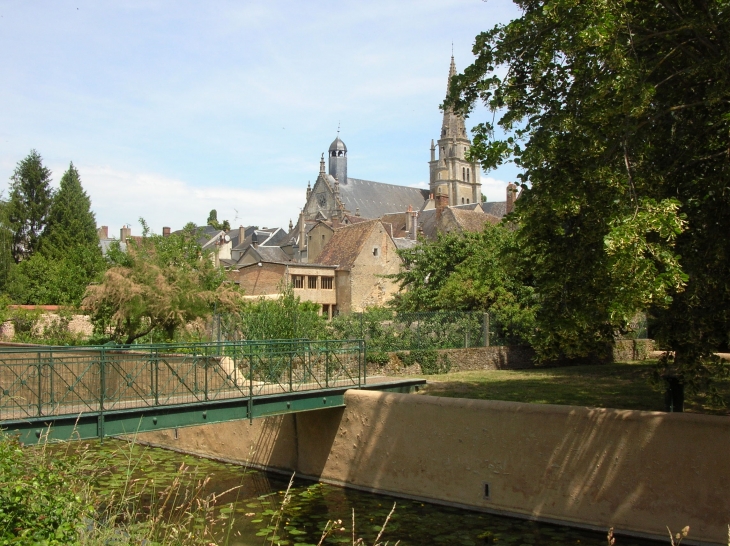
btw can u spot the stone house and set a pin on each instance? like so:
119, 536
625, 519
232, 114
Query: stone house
362, 255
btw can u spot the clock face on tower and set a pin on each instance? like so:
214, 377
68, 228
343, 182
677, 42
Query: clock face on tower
321, 199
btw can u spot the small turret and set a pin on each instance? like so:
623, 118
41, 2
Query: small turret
338, 159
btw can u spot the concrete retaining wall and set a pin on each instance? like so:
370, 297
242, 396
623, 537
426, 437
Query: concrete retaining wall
637, 471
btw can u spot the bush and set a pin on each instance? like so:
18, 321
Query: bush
429, 360
42, 500
378, 357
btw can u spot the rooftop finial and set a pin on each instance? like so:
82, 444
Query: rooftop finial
338, 128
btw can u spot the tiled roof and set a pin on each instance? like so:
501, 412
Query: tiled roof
374, 199
469, 220
344, 247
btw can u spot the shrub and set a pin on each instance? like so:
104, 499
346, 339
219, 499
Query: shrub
378, 357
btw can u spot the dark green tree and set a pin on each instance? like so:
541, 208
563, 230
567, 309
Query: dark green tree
70, 222
213, 221
6, 244
30, 200
69, 256
617, 113
470, 272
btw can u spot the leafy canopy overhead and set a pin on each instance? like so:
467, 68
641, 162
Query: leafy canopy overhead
618, 114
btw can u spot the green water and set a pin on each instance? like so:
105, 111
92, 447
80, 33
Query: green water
257, 496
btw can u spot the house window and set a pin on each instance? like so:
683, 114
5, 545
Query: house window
326, 283
376, 251
462, 200
312, 282
297, 281
467, 201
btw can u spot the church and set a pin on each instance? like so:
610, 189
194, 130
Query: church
337, 200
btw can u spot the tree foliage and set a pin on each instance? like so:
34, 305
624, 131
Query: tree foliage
471, 272
30, 200
617, 113
68, 255
213, 221
158, 285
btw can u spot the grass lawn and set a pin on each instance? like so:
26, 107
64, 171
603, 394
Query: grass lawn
622, 385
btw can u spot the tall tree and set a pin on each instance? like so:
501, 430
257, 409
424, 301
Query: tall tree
70, 222
617, 112
69, 257
30, 199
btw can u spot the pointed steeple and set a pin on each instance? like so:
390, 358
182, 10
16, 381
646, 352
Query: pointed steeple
453, 125
321, 165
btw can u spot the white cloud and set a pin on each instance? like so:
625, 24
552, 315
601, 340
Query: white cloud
494, 189
122, 197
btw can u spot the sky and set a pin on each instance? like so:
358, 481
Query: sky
169, 109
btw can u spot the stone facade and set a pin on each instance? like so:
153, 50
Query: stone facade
450, 173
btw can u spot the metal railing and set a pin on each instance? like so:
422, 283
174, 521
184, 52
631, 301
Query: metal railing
55, 381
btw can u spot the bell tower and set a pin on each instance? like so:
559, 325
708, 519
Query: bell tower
450, 171
338, 160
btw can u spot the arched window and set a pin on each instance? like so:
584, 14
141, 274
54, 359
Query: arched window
463, 173
462, 200
467, 174
467, 202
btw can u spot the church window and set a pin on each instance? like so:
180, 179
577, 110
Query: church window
462, 200
463, 173
327, 283
467, 201
467, 174
297, 281
312, 282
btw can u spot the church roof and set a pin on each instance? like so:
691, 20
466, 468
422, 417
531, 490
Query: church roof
337, 144
375, 199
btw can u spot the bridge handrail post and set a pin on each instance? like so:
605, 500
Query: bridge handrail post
52, 398
327, 350
250, 382
206, 366
102, 392
156, 377
40, 385
291, 364
364, 356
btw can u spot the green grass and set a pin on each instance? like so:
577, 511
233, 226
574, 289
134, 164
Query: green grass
622, 386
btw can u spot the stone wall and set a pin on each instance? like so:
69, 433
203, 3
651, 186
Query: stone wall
473, 358
596, 468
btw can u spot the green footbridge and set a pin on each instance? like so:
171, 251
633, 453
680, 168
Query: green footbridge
62, 393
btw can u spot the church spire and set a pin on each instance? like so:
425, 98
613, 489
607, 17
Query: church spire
453, 125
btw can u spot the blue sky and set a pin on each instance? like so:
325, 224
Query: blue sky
169, 109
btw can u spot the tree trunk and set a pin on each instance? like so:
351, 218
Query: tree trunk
674, 395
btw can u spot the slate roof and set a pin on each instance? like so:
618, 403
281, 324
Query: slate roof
374, 199
344, 247
272, 254
496, 208
402, 242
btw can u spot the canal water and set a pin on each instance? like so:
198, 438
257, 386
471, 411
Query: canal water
250, 513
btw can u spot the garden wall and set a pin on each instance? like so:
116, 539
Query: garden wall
502, 358
637, 471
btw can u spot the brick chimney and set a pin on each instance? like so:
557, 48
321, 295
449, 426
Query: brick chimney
165, 231
442, 201
103, 232
511, 197
241, 234
125, 233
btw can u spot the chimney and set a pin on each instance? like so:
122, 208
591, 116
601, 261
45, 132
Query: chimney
408, 218
241, 234
442, 201
125, 233
103, 232
255, 240
414, 224
302, 232
511, 197
165, 231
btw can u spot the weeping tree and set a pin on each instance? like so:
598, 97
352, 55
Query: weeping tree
159, 285
617, 114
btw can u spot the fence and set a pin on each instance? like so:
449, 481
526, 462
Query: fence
73, 380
